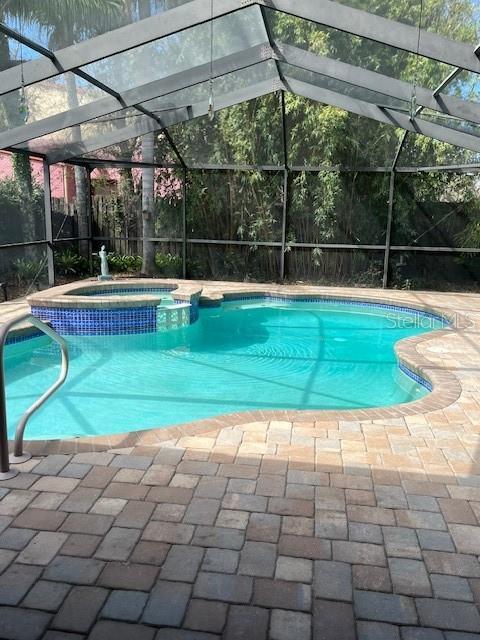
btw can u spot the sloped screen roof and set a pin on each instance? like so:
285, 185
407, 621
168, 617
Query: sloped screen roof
78, 82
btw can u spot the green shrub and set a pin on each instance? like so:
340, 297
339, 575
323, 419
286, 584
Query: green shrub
168, 265
28, 270
68, 262
124, 264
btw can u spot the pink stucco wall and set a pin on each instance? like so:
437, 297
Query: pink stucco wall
62, 179
61, 176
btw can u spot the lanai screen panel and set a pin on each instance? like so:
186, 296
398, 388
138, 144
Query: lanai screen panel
181, 51
80, 135
193, 46
46, 98
465, 86
227, 90
245, 134
352, 49
132, 151
78, 22
291, 165
458, 20
421, 151
171, 109
13, 52
321, 136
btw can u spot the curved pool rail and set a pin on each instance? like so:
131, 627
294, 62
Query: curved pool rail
18, 456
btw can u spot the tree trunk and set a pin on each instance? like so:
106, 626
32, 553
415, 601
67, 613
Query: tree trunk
148, 205
81, 185
126, 196
148, 187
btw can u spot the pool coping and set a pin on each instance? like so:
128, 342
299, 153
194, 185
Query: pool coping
69, 295
446, 388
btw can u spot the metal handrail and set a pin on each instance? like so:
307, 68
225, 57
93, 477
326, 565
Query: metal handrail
18, 455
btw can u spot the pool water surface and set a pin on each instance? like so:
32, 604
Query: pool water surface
237, 357
164, 294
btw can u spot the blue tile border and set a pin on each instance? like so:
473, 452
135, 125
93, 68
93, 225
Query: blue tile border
426, 384
116, 321
13, 339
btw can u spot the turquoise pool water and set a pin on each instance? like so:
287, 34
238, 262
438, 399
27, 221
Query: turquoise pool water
165, 294
242, 356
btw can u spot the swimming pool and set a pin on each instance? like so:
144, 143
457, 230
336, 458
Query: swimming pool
242, 355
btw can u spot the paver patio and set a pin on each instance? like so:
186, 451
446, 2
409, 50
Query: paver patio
323, 525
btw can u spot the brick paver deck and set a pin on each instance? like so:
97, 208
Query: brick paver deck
323, 526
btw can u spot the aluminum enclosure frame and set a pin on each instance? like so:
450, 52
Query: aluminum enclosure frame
322, 12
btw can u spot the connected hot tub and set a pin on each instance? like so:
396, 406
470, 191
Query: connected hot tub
117, 307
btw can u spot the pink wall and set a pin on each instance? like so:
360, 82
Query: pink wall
167, 185
62, 179
61, 176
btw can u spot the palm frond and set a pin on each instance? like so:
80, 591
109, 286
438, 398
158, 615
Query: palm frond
79, 18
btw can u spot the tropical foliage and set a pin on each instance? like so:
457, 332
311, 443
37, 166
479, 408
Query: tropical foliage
28, 271
69, 263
